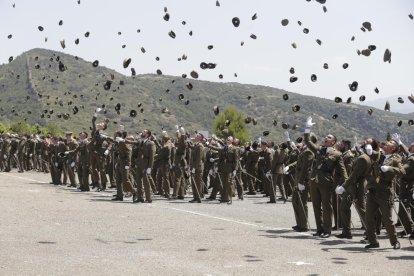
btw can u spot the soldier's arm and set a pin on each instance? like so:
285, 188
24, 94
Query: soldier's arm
151, 155
313, 147
340, 168
404, 149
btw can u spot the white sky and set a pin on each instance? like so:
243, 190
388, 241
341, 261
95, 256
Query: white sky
265, 61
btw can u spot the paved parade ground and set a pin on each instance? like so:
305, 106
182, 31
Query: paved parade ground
55, 230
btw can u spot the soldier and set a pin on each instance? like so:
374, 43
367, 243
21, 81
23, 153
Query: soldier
406, 193
212, 157
12, 156
30, 153
98, 151
345, 148
197, 168
238, 181
122, 153
327, 161
226, 168
164, 159
83, 161
251, 167
265, 165
380, 194
145, 165
20, 154
353, 190
303, 167
277, 171
180, 164
70, 163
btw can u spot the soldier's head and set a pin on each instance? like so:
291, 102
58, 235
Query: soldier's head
263, 145
330, 140
101, 126
145, 134
229, 140
199, 137
254, 145
83, 135
390, 147
236, 142
69, 135
118, 134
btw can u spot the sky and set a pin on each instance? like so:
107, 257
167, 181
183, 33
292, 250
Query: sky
263, 61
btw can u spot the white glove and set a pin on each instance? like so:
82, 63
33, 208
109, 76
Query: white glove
182, 131
5, 156
56, 164
244, 170
176, 127
214, 137
119, 139
66, 153
72, 164
149, 171
193, 171
39, 157
397, 138
106, 152
212, 160
368, 149
210, 172
126, 167
385, 168
339, 190
207, 143
355, 141
234, 173
301, 187
309, 122
287, 138
286, 170
268, 174
261, 158
30, 155
215, 169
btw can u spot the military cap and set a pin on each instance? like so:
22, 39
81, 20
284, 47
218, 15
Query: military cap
216, 110
285, 97
285, 22
400, 100
285, 126
95, 63
295, 108
387, 56
387, 106
353, 86
236, 22
126, 63
266, 133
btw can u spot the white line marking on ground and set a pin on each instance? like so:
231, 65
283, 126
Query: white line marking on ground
233, 220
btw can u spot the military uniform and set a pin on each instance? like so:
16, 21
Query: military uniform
406, 192
355, 187
70, 162
180, 167
327, 161
381, 196
251, 167
300, 197
122, 168
278, 160
163, 171
147, 162
97, 157
197, 168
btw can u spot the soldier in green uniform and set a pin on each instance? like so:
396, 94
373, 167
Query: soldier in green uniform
353, 190
327, 161
303, 167
251, 167
97, 154
180, 164
197, 168
381, 194
70, 163
277, 171
164, 163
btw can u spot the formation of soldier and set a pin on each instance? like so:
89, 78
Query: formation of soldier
333, 175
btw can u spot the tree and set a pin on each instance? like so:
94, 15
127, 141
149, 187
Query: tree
236, 127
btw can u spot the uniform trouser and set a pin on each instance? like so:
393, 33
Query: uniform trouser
287, 183
197, 183
122, 181
251, 181
406, 215
345, 210
322, 200
70, 171
179, 183
227, 182
110, 169
277, 180
97, 164
205, 180
336, 203
261, 175
20, 161
215, 183
300, 207
142, 179
239, 185
163, 180
83, 175
44, 166
374, 204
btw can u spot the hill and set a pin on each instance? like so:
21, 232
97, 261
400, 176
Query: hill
42, 86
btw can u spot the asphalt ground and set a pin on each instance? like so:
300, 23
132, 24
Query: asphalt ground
56, 230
